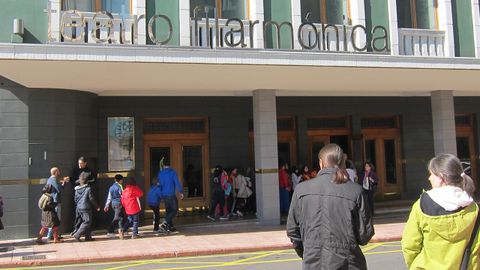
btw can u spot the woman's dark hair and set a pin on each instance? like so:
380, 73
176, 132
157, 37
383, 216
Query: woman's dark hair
131, 181
294, 170
218, 171
47, 188
370, 164
332, 157
349, 164
449, 168
302, 171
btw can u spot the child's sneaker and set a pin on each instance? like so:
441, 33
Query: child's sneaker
224, 217
111, 235
135, 236
240, 214
211, 218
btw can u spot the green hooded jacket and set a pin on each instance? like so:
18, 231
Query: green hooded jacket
439, 242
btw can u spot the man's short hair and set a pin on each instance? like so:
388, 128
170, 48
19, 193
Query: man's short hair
118, 177
83, 178
82, 158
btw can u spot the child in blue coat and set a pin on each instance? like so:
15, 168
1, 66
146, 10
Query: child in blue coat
154, 197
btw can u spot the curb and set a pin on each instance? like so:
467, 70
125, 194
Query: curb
163, 255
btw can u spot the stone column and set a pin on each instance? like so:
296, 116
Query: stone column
266, 156
445, 23
393, 27
256, 12
184, 18
139, 8
476, 26
443, 118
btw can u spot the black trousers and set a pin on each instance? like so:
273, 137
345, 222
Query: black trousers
156, 217
217, 198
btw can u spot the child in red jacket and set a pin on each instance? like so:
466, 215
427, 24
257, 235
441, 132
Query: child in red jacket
131, 203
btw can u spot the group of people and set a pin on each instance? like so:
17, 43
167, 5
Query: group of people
230, 194
290, 179
122, 198
330, 217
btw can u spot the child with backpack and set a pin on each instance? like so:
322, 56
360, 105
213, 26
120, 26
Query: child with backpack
49, 215
131, 202
113, 199
154, 198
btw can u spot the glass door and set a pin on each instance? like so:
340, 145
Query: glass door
192, 160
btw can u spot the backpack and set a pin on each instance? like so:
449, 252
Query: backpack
43, 201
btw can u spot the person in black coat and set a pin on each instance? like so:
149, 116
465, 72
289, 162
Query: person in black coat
329, 217
84, 202
368, 179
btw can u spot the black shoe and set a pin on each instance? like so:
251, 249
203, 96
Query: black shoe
77, 238
50, 238
89, 239
173, 229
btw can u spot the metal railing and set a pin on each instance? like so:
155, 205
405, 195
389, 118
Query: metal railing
421, 42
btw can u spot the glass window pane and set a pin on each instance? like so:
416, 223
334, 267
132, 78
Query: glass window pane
404, 14
463, 153
197, 8
121, 7
233, 9
310, 11
316, 147
370, 152
80, 5
156, 155
336, 12
193, 170
390, 161
425, 14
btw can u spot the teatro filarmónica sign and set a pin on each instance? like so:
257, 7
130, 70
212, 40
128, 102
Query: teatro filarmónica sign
233, 32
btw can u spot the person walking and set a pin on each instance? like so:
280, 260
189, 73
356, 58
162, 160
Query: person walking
114, 199
218, 195
154, 197
329, 217
131, 202
49, 216
284, 188
442, 221
368, 179
84, 202
170, 185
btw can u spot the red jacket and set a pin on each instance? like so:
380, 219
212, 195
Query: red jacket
130, 199
283, 179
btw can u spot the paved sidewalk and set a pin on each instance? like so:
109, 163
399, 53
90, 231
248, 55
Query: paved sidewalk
202, 239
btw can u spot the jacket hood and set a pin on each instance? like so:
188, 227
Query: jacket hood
167, 171
450, 198
456, 226
81, 187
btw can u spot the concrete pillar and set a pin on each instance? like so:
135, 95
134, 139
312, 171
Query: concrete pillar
184, 18
256, 12
266, 156
443, 118
393, 27
476, 25
445, 23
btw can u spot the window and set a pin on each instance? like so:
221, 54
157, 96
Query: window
121, 7
421, 14
226, 9
326, 11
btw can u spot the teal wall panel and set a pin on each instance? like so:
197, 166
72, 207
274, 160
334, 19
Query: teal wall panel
169, 8
34, 16
278, 11
463, 28
376, 13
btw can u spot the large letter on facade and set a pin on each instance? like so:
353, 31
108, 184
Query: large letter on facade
151, 35
278, 28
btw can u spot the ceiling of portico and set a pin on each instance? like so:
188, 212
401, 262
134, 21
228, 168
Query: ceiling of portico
173, 79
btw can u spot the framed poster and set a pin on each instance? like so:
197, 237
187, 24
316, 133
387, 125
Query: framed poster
121, 148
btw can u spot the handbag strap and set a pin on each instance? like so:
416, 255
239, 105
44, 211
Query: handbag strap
466, 254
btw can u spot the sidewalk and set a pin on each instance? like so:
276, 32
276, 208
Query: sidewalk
191, 240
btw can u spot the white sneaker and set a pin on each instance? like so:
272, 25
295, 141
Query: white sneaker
211, 218
111, 235
224, 218
240, 214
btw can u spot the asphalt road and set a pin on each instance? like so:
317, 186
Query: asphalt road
379, 256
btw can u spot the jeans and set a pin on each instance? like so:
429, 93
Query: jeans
171, 208
284, 201
85, 217
132, 221
156, 217
117, 218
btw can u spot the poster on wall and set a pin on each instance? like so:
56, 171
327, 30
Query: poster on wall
121, 153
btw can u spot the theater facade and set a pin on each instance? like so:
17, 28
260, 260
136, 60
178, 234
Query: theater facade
237, 83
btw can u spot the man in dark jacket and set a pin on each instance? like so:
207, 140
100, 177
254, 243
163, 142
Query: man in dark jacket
329, 217
84, 202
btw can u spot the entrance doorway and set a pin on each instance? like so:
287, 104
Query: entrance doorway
325, 130
381, 146
187, 154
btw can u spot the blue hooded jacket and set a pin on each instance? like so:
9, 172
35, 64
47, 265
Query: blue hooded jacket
169, 183
154, 196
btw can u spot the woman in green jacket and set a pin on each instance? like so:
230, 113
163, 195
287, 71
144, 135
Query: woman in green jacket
442, 220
